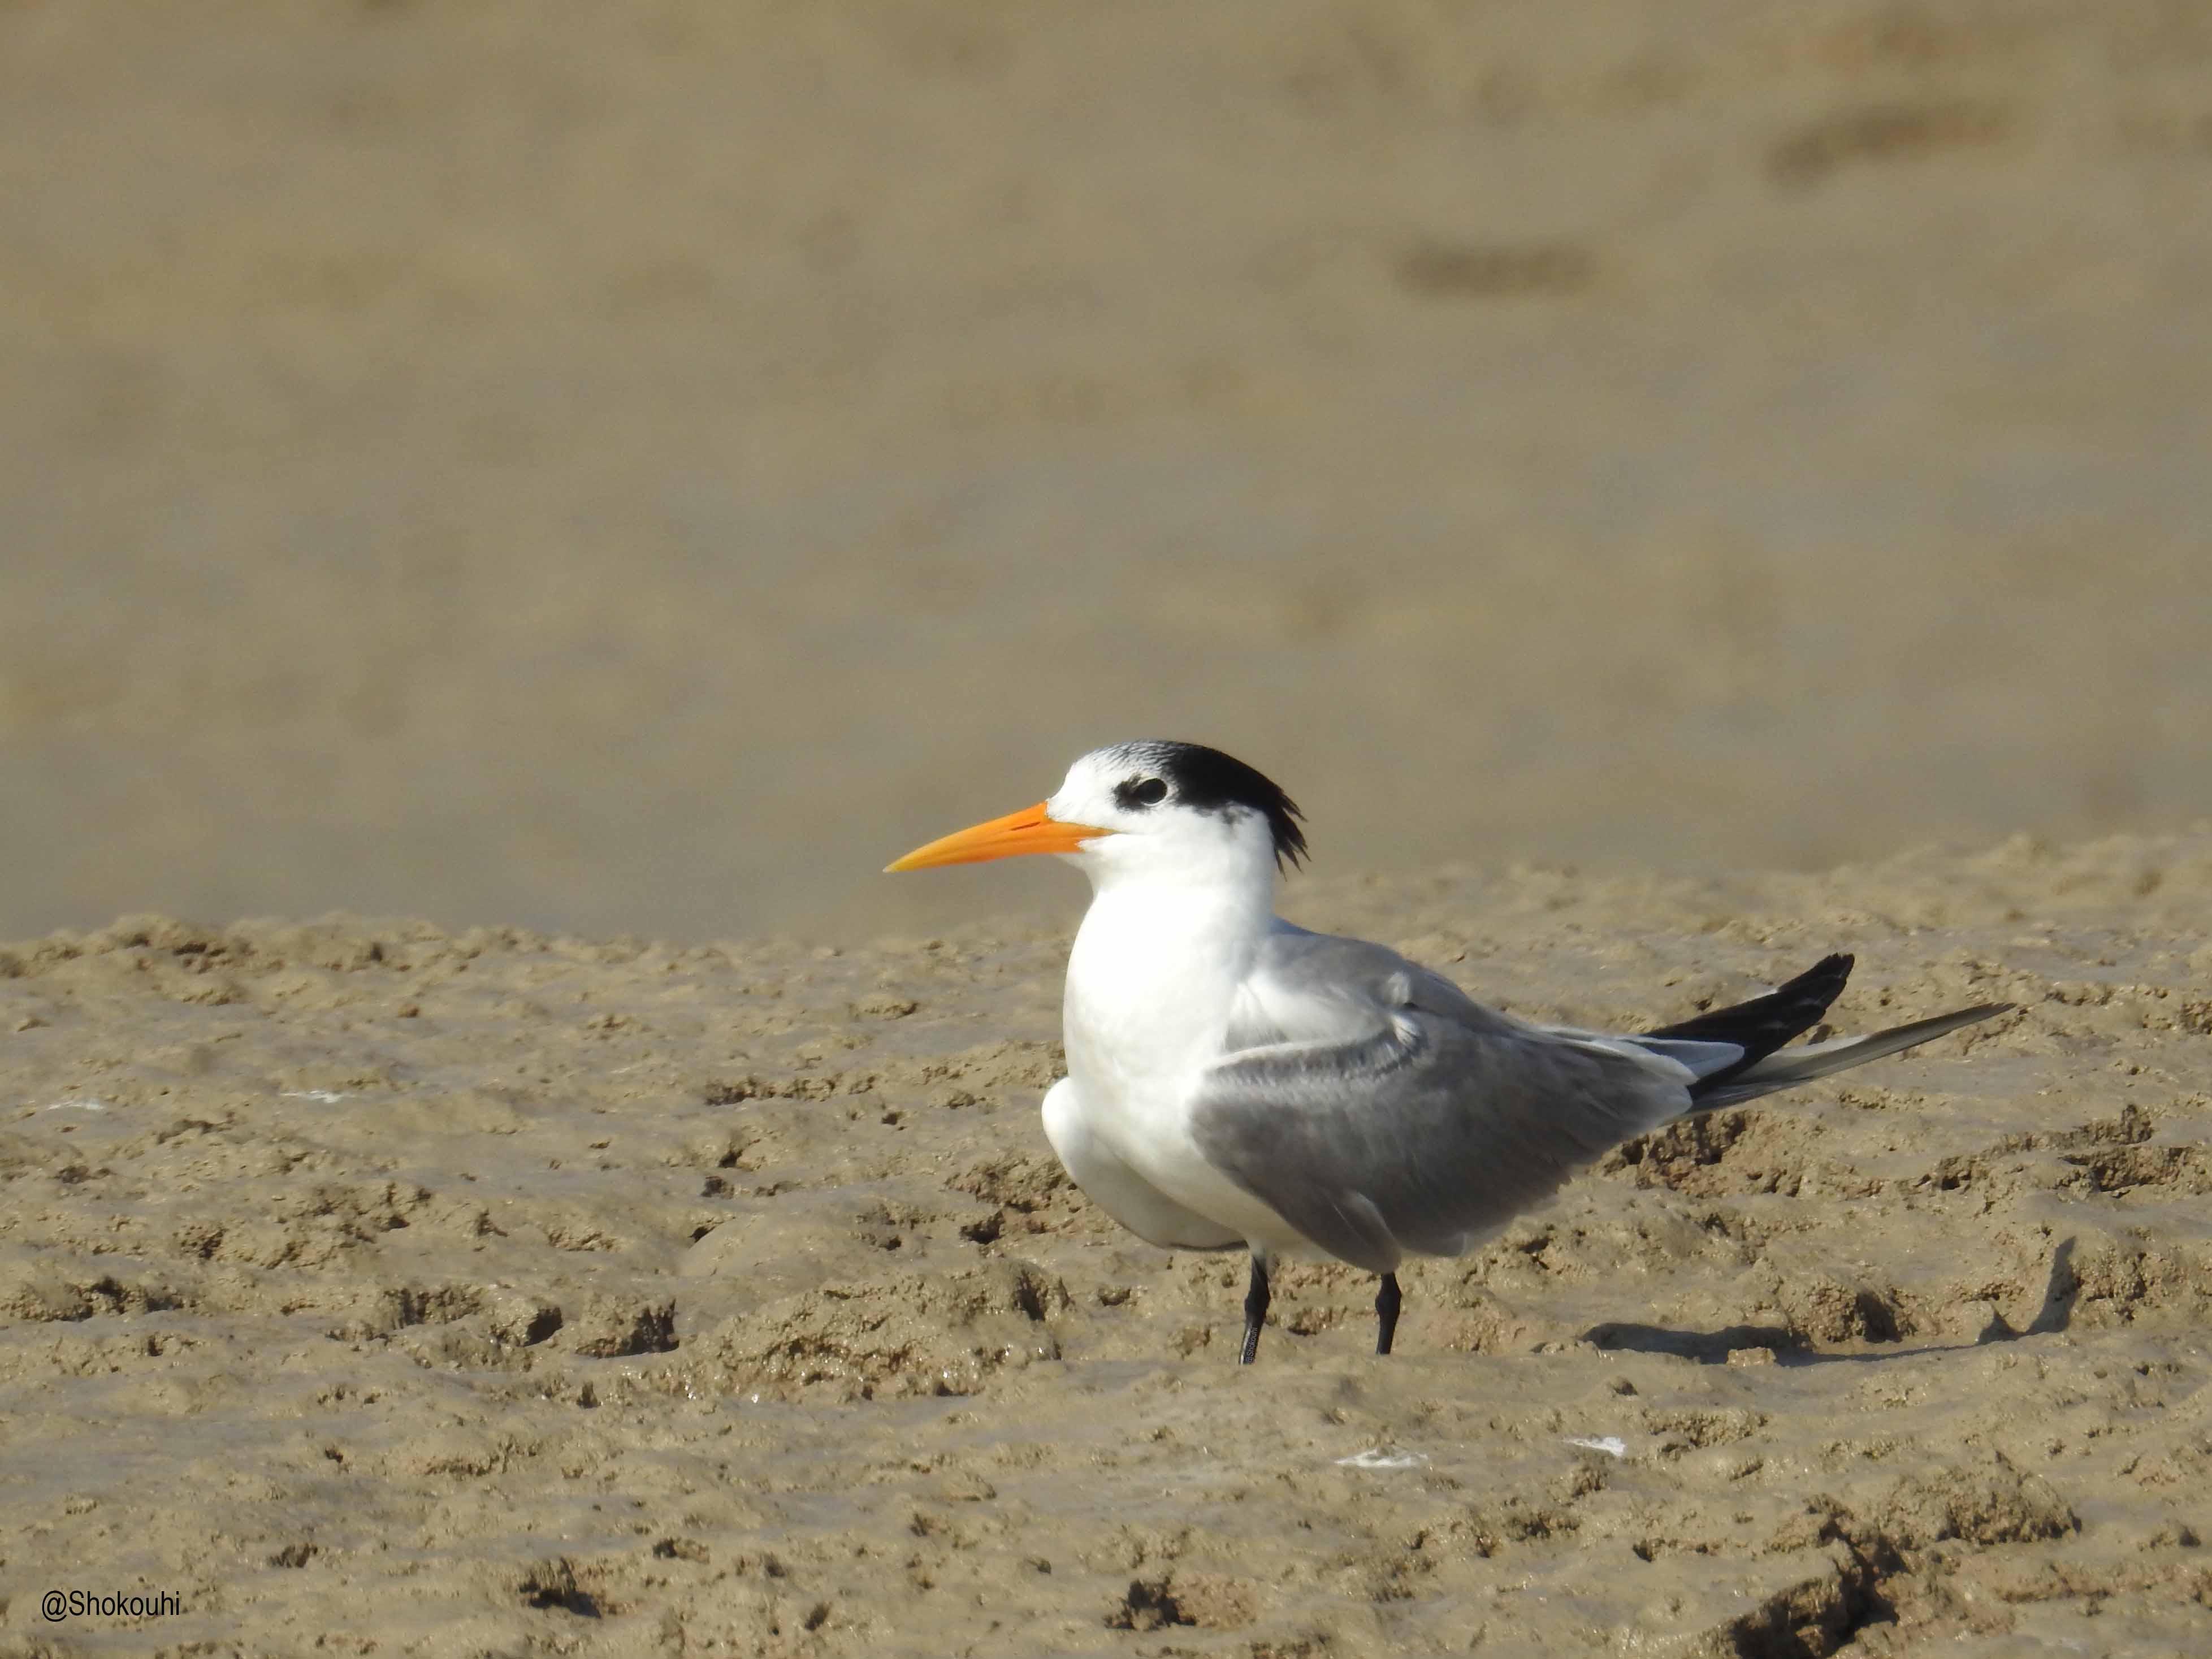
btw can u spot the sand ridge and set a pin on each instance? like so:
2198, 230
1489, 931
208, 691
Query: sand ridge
379, 1289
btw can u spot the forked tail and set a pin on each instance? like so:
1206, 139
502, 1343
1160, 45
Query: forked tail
1761, 1026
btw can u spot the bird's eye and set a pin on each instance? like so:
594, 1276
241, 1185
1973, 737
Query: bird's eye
1141, 792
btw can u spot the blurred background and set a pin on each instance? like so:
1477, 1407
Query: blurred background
639, 468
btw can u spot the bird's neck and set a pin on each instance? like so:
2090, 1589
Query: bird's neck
1153, 976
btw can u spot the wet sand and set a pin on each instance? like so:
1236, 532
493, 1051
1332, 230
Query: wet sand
374, 1288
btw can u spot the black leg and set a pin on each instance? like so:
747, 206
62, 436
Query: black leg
1386, 1313
1256, 1310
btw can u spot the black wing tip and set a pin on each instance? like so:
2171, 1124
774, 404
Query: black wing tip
1765, 1024
1815, 988
1830, 974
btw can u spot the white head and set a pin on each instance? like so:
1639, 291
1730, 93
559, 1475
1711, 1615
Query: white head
1156, 811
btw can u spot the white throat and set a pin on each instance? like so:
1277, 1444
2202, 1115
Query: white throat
1155, 971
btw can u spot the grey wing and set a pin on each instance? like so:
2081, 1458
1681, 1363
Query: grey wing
1391, 1113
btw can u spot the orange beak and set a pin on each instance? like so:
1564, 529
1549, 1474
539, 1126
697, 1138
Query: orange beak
1032, 830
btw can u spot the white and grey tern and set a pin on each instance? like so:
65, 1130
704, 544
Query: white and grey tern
1235, 1080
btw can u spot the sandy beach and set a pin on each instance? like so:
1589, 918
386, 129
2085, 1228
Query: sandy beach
372, 1288
602, 480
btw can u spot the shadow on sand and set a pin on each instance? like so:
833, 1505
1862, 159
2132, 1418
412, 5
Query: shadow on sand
1789, 1348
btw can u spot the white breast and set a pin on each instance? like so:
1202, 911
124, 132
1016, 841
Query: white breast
1152, 983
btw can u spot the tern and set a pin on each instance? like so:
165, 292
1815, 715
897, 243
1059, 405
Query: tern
1234, 1080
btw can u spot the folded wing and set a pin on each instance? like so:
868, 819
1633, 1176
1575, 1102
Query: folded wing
1381, 1111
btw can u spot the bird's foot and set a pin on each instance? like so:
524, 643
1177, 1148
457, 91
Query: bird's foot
1386, 1313
1255, 1312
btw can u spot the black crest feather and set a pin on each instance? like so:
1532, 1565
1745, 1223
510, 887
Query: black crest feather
1210, 781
